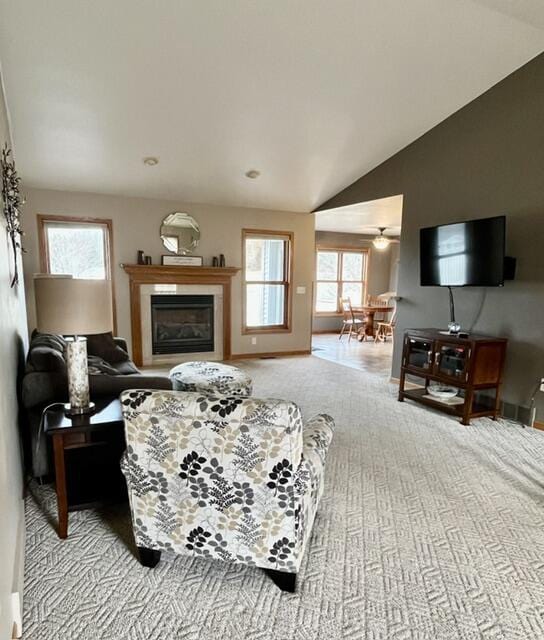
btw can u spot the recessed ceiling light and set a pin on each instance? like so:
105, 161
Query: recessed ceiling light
151, 161
252, 174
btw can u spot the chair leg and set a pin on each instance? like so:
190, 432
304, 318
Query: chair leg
285, 581
149, 557
342, 331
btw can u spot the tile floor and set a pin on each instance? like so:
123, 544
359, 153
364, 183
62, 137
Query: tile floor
374, 357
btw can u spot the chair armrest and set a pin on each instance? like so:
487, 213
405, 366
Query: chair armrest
316, 438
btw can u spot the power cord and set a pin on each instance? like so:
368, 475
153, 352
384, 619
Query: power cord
479, 311
40, 427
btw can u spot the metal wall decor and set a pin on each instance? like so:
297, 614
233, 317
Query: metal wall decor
12, 201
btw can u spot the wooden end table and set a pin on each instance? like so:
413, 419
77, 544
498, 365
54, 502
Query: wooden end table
87, 452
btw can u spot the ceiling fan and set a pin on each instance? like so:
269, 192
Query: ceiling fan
381, 242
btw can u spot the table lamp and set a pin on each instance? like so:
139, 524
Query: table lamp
74, 307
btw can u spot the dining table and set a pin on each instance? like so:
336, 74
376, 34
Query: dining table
369, 311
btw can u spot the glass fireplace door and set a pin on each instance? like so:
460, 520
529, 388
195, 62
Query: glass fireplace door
182, 323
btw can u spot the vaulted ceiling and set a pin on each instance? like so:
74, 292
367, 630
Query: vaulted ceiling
312, 93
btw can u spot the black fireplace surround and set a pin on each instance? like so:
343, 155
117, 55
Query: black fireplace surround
182, 323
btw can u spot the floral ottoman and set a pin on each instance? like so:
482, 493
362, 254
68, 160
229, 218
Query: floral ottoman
211, 378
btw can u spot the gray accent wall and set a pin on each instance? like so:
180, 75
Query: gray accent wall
486, 159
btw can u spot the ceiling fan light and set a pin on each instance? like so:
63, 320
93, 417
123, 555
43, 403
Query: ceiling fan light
381, 242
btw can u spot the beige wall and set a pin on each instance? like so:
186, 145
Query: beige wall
379, 269
13, 339
136, 223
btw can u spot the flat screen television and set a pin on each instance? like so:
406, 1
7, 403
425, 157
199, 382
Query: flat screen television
464, 254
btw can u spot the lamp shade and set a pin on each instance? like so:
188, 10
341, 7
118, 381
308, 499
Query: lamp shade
70, 306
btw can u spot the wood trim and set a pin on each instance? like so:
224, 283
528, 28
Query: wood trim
42, 219
328, 314
286, 327
157, 274
330, 247
319, 332
270, 354
538, 425
160, 271
60, 485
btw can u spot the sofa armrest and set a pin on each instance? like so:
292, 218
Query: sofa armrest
121, 342
43, 387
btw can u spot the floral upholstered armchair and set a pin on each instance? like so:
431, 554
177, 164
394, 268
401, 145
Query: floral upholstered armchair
223, 477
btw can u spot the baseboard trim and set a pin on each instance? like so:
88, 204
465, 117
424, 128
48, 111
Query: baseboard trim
538, 425
17, 581
319, 332
269, 354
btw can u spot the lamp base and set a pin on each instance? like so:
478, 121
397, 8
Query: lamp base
79, 411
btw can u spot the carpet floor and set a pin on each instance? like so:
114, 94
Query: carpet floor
427, 530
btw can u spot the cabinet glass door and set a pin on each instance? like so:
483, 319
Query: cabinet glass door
419, 353
451, 360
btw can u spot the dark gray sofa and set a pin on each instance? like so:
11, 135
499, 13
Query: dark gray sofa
45, 382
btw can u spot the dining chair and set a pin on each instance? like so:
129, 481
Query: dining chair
386, 328
382, 300
350, 321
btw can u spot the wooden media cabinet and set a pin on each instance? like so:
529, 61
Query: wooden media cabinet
473, 364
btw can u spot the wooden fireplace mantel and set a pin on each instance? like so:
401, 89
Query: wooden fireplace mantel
140, 274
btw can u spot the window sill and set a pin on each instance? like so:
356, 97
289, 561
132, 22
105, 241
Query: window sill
275, 329
327, 314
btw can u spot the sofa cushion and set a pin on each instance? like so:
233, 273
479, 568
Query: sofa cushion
104, 346
127, 368
97, 366
113, 385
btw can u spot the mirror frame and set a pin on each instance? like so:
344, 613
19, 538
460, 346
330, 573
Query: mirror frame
191, 223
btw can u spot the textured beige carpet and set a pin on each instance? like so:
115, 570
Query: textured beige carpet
427, 529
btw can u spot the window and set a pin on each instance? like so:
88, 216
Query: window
341, 273
81, 247
267, 258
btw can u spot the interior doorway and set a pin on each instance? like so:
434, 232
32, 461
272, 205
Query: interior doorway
356, 283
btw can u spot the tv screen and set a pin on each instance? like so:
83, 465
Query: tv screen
465, 254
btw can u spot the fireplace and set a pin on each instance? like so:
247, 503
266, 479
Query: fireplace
182, 323
159, 280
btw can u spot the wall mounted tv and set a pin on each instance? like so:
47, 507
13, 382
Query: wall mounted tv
464, 254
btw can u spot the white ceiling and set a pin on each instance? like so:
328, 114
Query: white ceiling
312, 93
363, 217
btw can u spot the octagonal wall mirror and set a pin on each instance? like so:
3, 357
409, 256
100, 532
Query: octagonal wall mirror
180, 233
